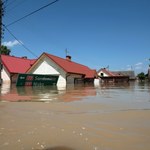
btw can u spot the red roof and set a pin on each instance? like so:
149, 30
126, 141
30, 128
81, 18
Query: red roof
16, 64
72, 67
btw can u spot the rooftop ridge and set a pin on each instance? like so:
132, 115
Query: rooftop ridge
67, 60
17, 57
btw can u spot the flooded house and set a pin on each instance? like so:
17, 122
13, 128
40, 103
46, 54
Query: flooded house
69, 72
12, 66
107, 76
129, 73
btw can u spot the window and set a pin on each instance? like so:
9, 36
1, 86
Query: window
102, 74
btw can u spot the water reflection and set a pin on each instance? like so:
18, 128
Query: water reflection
5, 88
128, 85
109, 117
46, 93
71, 92
59, 148
144, 85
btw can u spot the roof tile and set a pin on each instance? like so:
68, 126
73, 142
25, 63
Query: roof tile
72, 67
16, 64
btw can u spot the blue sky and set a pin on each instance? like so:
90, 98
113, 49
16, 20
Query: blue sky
97, 33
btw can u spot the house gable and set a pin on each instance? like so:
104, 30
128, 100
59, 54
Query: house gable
45, 65
104, 73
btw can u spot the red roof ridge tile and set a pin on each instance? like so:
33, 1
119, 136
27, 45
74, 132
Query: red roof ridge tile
67, 60
17, 57
71, 66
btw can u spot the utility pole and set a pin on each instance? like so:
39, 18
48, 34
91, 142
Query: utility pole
1, 14
149, 71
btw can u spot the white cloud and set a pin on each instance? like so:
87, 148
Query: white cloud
11, 43
139, 64
128, 65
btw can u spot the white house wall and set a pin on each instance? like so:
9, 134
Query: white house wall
104, 74
96, 82
5, 75
47, 66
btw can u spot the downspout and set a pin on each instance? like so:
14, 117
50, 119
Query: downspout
67, 75
11, 76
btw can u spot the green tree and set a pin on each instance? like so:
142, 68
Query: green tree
141, 76
5, 50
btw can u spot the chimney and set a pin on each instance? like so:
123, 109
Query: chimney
68, 57
24, 57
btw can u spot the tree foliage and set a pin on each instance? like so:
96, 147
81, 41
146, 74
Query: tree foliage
141, 76
5, 50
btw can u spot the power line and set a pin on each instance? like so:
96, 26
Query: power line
8, 3
20, 42
1, 15
18, 4
32, 13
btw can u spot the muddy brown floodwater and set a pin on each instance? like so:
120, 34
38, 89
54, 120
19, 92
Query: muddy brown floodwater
106, 117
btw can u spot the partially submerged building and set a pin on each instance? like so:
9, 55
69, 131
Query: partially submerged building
12, 66
129, 73
107, 76
69, 72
